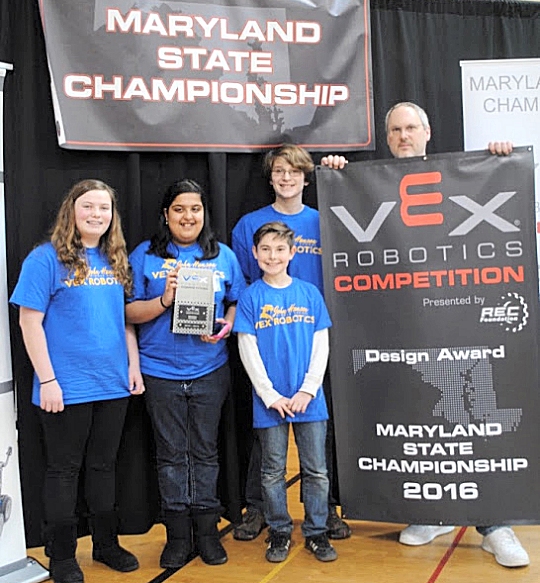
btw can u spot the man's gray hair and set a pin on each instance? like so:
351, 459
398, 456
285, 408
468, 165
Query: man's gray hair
421, 113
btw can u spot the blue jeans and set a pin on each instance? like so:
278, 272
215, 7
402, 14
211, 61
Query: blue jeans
185, 418
310, 440
253, 479
254, 496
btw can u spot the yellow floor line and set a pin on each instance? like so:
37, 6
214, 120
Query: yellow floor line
280, 566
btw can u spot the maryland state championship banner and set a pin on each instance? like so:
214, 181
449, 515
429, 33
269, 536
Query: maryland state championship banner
221, 76
501, 101
431, 281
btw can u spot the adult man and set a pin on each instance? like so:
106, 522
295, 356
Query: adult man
288, 169
407, 135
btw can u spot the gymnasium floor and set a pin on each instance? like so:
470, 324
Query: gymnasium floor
371, 555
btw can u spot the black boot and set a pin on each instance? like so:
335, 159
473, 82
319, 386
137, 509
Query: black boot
206, 537
60, 546
178, 546
337, 528
107, 550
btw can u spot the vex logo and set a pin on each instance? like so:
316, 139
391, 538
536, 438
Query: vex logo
511, 312
194, 278
479, 213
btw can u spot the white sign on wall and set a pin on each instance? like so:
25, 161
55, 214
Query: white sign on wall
501, 102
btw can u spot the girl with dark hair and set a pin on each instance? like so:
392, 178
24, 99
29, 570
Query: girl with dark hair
206, 239
71, 293
186, 376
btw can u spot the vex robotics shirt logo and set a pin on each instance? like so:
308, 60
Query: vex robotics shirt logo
511, 312
95, 276
271, 315
305, 245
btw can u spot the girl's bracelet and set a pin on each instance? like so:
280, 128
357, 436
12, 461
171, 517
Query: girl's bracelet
162, 304
47, 382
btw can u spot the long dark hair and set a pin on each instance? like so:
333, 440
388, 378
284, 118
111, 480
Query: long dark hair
161, 239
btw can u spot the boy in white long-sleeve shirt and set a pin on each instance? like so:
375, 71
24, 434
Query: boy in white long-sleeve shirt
282, 324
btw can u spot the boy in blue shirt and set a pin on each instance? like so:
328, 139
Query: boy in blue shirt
288, 168
282, 325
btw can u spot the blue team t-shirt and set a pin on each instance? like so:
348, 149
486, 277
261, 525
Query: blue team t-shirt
181, 356
284, 321
84, 324
306, 264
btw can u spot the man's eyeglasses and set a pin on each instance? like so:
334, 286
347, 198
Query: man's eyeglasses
293, 172
410, 129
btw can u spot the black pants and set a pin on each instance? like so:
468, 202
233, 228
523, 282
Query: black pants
87, 433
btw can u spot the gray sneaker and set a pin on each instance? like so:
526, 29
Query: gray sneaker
251, 526
505, 546
320, 546
422, 534
278, 546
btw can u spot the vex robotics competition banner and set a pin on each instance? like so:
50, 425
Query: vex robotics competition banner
233, 76
431, 282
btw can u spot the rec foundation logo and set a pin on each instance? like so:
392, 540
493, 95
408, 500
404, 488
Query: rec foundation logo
511, 312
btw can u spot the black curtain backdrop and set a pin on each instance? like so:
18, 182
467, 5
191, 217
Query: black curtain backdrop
417, 46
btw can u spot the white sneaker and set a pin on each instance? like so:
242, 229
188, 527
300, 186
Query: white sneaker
422, 534
505, 545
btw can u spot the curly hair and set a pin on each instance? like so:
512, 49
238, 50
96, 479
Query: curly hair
160, 241
66, 239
